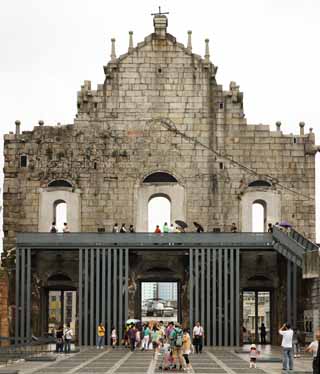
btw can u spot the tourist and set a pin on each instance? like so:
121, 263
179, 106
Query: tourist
115, 228
270, 228
176, 342
197, 336
162, 332
165, 228
167, 361
169, 328
53, 227
100, 332
234, 227
157, 230
138, 338
253, 356
146, 337
155, 336
68, 335
314, 348
113, 337
186, 348
59, 339
171, 228
131, 229
132, 333
287, 335
123, 228
263, 333
66, 228
296, 340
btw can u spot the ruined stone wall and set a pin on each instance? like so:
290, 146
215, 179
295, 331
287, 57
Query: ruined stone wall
159, 109
4, 292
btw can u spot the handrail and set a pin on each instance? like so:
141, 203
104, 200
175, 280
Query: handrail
132, 240
306, 243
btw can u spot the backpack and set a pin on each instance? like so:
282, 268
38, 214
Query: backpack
179, 337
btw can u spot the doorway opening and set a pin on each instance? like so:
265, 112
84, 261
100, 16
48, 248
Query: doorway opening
256, 317
159, 301
62, 310
159, 212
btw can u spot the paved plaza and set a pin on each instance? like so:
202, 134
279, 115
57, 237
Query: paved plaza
107, 361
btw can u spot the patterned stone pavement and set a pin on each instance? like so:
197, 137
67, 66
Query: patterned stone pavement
122, 361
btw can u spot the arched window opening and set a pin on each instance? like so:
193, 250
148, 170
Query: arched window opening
60, 214
23, 161
260, 183
259, 210
159, 212
160, 177
59, 183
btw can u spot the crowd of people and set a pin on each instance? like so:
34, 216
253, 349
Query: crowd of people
169, 341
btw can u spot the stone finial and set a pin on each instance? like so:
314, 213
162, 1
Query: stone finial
278, 124
301, 124
18, 123
130, 41
160, 23
113, 50
207, 53
310, 130
189, 46
41, 123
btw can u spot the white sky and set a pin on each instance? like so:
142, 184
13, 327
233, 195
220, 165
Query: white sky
270, 48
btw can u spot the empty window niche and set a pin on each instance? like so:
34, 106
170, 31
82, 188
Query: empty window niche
221, 105
23, 161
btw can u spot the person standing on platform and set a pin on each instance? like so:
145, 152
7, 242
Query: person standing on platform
132, 333
287, 336
263, 333
165, 228
113, 337
314, 347
68, 335
198, 335
100, 332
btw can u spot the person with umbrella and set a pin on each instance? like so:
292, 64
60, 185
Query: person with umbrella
182, 225
198, 227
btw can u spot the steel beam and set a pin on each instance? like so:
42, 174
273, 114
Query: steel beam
23, 290
196, 282
237, 296
214, 297
191, 288
208, 326
220, 296
86, 289
80, 302
17, 319
29, 293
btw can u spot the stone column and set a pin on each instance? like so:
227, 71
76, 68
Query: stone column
278, 124
207, 53
130, 41
301, 124
189, 46
113, 50
17, 127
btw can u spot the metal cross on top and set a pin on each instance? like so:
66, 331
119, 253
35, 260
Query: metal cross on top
160, 13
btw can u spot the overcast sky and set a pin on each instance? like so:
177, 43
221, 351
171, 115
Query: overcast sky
270, 48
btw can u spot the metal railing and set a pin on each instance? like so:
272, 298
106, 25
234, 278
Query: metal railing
134, 240
303, 241
14, 352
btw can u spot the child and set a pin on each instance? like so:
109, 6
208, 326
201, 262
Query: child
253, 356
113, 337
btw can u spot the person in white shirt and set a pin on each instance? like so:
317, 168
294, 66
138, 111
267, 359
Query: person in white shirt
287, 337
313, 347
68, 335
198, 335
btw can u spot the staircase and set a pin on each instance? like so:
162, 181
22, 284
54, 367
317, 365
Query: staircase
298, 249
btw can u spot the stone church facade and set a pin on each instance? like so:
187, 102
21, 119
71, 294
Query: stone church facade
159, 125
